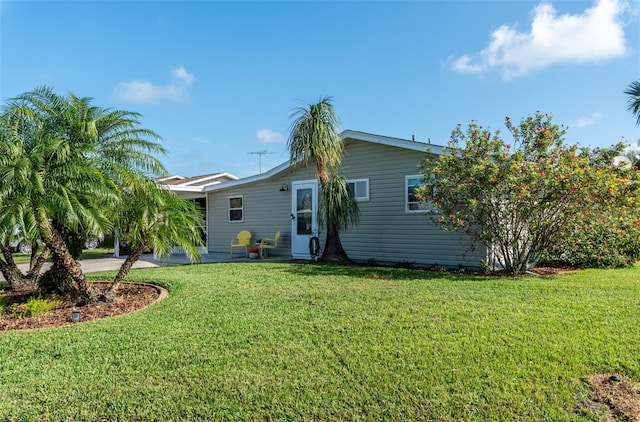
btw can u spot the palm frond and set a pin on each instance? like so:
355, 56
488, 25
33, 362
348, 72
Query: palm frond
633, 102
315, 137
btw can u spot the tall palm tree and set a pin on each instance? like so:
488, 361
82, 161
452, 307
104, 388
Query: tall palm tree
339, 210
151, 217
74, 159
633, 102
314, 139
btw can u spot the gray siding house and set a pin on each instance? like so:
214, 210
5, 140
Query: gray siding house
382, 171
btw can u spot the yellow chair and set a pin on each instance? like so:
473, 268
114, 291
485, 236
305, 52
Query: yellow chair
243, 240
268, 244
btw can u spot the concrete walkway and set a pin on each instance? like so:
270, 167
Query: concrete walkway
145, 261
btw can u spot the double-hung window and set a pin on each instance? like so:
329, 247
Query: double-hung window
412, 203
236, 209
359, 189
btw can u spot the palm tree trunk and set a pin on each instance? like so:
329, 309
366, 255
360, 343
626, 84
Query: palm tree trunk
14, 276
126, 266
323, 175
9, 269
333, 252
37, 262
53, 240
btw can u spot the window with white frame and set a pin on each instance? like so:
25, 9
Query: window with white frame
359, 189
236, 209
412, 203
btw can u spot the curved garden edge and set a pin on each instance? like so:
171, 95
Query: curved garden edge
131, 297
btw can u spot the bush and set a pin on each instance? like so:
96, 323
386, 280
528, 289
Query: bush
523, 198
3, 304
606, 241
404, 264
56, 281
37, 307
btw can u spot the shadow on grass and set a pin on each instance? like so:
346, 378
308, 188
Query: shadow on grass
381, 272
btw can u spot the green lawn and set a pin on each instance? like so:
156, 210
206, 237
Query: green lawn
96, 253
255, 341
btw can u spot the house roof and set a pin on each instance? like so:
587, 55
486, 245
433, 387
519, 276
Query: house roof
201, 180
390, 141
347, 136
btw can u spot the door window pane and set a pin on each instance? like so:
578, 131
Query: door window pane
304, 211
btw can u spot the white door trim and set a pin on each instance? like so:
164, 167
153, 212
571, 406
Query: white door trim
300, 241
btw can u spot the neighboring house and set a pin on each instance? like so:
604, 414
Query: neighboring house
196, 184
382, 171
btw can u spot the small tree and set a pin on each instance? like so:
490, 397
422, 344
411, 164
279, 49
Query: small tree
315, 140
151, 217
520, 199
63, 160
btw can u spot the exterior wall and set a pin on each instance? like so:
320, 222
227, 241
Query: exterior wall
266, 211
387, 233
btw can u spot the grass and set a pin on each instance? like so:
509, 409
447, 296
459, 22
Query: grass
283, 341
96, 253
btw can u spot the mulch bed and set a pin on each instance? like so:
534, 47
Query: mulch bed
130, 297
552, 270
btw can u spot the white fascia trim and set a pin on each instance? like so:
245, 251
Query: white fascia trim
394, 142
180, 188
229, 175
172, 177
212, 177
238, 182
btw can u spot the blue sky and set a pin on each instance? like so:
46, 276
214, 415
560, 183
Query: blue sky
218, 80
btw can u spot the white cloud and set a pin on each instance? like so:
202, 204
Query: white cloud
200, 140
595, 35
587, 121
267, 136
137, 91
180, 74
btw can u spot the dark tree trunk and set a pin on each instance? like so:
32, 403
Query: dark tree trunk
8, 267
14, 276
333, 252
54, 241
133, 256
37, 262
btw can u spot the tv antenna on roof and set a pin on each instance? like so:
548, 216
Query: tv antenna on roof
260, 154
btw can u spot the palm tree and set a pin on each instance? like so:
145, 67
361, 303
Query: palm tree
633, 102
12, 227
314, 139
16, 222
339, 210
74, 158
150, 217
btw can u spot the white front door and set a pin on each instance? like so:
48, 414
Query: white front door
304, 207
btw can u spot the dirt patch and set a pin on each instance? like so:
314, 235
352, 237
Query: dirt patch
615, 396
553, 270
130, 297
